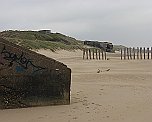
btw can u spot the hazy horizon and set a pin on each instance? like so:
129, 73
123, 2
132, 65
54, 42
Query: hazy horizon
120, 22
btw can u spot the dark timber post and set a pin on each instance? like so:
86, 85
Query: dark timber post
83, 53
90, 53
87, 53
96, 54
121, 53
93, 53
128, 53
124, 53
151, 52
137, 52
105, 56
144, 53
148, 53
140, 52
99, 54
102, 55
134, 53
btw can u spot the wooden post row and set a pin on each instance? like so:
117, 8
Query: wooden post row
139, 53
94, 54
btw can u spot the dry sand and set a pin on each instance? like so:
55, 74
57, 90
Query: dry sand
122, 94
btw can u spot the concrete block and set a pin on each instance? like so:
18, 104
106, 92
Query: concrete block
28, 79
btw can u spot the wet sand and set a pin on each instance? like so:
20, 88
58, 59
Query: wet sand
120, 92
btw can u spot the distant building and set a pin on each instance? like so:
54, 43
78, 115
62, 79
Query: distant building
45, 31
106, 46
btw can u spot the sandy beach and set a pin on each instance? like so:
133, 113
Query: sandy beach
120, 92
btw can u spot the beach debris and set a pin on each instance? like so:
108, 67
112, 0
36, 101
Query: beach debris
75, 117
98, 71
108, 70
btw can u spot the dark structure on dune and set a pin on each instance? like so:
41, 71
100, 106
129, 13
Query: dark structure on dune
105, 46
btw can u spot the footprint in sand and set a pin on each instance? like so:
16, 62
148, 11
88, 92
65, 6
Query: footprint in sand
98, 105
40, 117
75, 117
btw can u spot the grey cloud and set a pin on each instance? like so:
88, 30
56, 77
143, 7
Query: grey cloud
125, 22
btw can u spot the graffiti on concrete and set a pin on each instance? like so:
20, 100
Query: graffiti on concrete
19, 69
23, 62
1, 60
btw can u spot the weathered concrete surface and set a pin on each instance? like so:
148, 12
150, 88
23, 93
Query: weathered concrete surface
29, 79
105, 46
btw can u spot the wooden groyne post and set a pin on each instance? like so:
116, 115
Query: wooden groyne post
105, 56
87, 53
102, 55
99, 51
140, 52
134, 53
144, 53
90, 53
121, 53
83, 53
124, 53
128, 53
151, 52
130, 50
137, 52
147, 53
96, 54
93, 53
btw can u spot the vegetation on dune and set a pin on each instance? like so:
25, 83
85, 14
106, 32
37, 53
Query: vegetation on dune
36, 40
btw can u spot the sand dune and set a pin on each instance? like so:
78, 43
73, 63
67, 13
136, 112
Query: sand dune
120, 92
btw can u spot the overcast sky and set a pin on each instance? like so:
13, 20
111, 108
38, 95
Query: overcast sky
126, 22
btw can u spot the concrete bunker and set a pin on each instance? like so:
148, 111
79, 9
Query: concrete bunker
28, 79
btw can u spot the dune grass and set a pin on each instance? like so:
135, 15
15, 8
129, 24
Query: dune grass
35, 40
